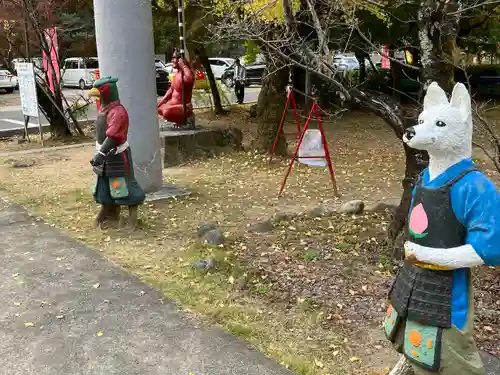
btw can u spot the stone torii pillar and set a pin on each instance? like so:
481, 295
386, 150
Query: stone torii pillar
124, 36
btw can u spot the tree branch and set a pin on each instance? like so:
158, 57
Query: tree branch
306, 67
287, 10
475, 6
323, 45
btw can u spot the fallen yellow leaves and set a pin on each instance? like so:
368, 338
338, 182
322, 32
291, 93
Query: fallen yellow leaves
385, 371
318, 363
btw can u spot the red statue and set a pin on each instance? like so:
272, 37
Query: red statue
171, 107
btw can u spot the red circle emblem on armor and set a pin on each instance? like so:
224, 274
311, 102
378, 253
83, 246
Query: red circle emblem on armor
389, 311
415, 338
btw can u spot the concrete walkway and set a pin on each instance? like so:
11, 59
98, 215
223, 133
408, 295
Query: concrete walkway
53, 320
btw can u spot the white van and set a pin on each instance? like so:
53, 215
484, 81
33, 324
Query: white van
79, 72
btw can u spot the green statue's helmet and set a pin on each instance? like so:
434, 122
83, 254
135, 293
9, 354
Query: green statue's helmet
106, 90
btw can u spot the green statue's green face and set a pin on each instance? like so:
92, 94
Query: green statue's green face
106, 90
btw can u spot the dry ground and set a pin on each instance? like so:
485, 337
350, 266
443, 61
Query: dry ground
18, 144
309, 293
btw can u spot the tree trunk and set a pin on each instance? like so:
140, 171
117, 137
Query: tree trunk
299, 82
211, 79
270, 106
391, 112
308, 88
396, 75
437, 33
415, 162
360, 56
437, 36
58, 123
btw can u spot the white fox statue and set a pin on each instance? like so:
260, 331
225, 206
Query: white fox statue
454, 224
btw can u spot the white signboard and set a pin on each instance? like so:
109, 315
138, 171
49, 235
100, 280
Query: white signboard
27, 89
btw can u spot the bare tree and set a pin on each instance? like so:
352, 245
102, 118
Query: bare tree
31, 18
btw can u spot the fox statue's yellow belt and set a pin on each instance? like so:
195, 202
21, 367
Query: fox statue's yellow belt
432, 267
427, 265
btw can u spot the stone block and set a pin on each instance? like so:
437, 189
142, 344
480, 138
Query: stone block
355, 207
167, 191
263, 227
181, 146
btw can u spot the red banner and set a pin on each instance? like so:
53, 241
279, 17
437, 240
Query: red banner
51, 40
97, 77
386, 63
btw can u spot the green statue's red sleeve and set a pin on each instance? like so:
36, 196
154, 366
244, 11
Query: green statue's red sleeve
117, 124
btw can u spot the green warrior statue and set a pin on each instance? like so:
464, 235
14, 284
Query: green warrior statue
112, 163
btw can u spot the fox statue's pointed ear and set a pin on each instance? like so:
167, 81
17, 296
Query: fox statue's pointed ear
460, 99
434, 96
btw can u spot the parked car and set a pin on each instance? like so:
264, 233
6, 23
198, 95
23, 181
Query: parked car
219, 65
346, 62
484, 81
79, 72
254, 76
37, 63
162, 77
8, 81
169, 67
15, 80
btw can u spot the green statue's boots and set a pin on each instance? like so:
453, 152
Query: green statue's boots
107, 212
133, 214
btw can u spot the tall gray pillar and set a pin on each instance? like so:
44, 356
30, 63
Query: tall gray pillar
124, 35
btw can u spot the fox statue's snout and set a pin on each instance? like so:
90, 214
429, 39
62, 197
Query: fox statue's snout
409, 134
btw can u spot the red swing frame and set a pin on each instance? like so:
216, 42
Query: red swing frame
290, 98
316, 110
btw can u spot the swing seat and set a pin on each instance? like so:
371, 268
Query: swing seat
311, 150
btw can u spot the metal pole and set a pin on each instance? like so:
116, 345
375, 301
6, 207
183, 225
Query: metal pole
27, 58
26, 39
180, 18
124, 36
